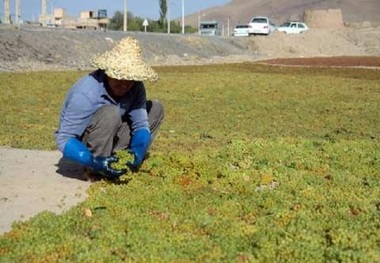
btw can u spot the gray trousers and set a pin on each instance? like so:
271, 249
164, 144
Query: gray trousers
108, 132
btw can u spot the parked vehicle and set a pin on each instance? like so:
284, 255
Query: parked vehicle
260, 25
241, 31
209, 28
293, 27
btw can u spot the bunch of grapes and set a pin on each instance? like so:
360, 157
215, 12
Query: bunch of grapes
125, 157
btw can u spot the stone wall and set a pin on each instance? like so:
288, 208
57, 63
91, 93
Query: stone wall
324, 19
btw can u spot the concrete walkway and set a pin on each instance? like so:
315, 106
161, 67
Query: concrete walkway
34, 181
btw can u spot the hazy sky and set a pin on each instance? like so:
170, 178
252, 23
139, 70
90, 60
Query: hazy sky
30, 9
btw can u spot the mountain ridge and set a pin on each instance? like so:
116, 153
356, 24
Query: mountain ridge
241, 11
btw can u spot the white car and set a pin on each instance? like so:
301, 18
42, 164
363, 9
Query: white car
293, 27
241, 31
209, 28
260, 25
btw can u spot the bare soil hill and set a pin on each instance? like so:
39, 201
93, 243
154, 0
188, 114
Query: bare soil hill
241, 11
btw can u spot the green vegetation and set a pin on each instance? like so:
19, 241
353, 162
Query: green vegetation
253, 163
135, 24
163, 11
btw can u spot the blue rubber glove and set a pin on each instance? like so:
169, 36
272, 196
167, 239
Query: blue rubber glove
76, 151
139, 146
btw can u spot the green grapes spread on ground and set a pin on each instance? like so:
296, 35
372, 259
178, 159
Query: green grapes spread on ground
125, 157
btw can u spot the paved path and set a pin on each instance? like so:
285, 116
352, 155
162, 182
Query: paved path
34, 181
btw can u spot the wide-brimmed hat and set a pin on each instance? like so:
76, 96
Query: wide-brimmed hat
124, 61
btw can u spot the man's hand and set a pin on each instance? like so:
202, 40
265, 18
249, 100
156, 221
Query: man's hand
102, 165
140, 143
76, 151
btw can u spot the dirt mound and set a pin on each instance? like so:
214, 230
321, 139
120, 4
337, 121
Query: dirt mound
319, 43
35, 48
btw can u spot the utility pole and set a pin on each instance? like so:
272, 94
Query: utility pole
52, 7
125, 16
183, 17
17, 13
199, 23
169, 18
7, 15
44, 11
228, 26
43, 8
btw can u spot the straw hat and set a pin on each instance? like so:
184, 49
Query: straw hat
124, 61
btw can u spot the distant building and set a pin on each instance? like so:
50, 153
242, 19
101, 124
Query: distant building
87, 20
328, 19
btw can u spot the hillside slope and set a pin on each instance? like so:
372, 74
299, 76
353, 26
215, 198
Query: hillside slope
241, 11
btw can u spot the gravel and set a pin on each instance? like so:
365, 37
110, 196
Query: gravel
32, 48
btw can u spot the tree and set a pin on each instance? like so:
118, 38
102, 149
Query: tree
163, 11
117, 21
135, 23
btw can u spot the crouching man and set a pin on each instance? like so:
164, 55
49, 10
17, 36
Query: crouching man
107, 110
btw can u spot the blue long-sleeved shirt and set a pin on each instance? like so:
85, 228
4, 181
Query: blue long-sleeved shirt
87, 95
